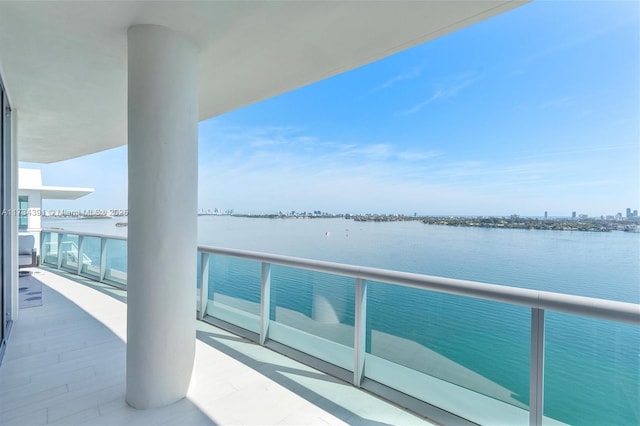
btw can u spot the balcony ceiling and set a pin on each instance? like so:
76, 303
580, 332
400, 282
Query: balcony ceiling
65, 63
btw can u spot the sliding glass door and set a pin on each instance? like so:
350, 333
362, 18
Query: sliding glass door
5, 218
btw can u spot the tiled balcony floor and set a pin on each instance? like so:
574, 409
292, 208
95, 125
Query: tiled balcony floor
65, 364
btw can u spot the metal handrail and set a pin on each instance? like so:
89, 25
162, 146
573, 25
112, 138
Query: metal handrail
85, 234
580, 305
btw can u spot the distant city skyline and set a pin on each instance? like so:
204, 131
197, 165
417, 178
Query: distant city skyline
534, 110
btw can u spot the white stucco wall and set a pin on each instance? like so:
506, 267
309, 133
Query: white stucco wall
34, 211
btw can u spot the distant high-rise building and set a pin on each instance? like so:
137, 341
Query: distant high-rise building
546, 214
628, 212
573, 215
635, 213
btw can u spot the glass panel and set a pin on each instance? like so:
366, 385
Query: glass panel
4, 228
313, 312
91, 256
116, 261
49, 253
234, 291
592, 371
199, 256
23, 218
69, 253
467, 356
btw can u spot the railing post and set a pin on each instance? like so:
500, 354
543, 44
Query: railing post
103, 258
265, 301
536, 372
43, 235
80, 253
360, 331
204, 285
59, 259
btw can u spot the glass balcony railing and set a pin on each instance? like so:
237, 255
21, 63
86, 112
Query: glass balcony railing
486, 353
99, 257
91, 250
234, 291
114, 254
452, 345
49, 248
609, 352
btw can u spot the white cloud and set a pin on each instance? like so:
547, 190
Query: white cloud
384, 177
409, 75
447, 89
416, 108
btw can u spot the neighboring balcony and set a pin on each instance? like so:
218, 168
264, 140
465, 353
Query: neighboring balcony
358, 324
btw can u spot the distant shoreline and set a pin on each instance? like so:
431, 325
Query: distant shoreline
512, 222
585, 225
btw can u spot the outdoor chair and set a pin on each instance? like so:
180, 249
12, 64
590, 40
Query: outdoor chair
27, 255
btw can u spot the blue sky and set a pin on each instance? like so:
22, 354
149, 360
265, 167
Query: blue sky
534, 110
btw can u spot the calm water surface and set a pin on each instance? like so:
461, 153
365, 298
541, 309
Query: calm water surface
605, 265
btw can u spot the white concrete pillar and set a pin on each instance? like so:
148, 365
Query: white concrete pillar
162, 241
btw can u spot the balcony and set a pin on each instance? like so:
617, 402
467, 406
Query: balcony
338, 325
65, 364
81, 78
